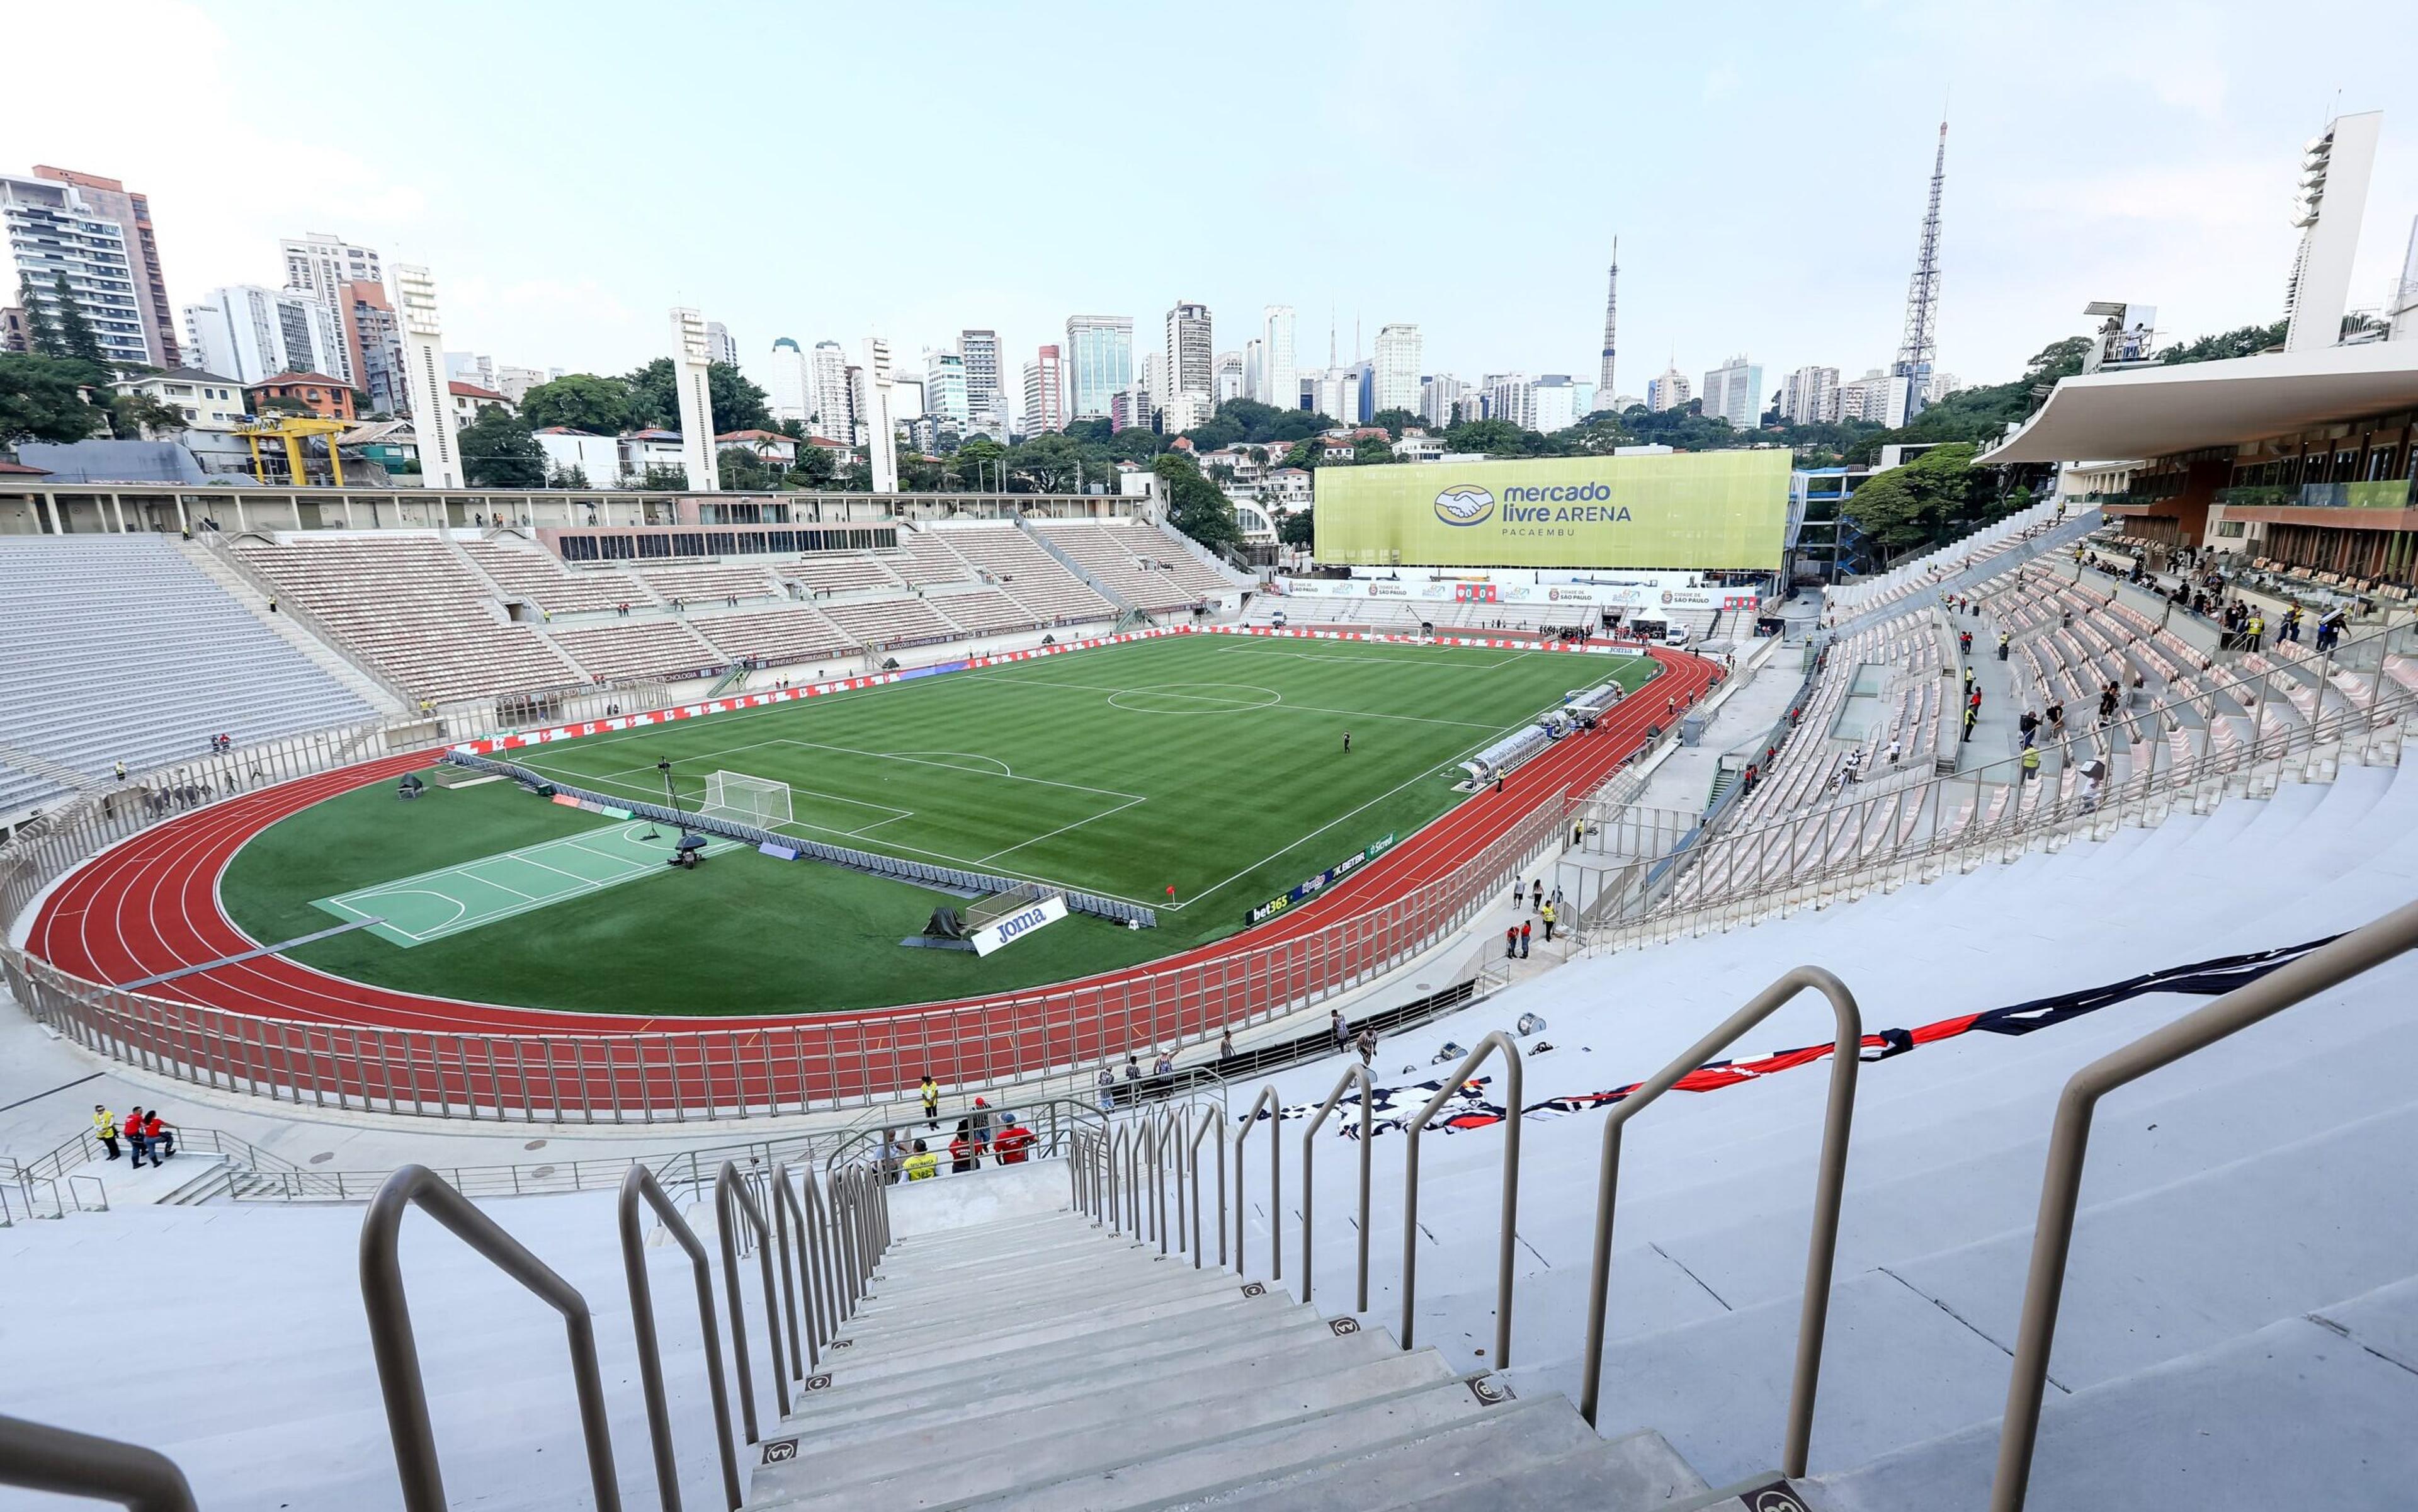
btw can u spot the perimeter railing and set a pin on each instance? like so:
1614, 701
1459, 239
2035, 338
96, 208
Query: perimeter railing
720, 1070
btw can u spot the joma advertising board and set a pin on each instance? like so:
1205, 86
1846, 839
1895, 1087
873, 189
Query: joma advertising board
1683, 510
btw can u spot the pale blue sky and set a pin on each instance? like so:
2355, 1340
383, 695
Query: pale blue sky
572, 170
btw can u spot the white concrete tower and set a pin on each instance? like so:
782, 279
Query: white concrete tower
692, 376
882, 442
2332, 201
424, 364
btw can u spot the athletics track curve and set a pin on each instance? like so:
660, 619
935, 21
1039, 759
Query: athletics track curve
149, 905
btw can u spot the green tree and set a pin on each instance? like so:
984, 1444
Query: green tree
664, 478
1294, 528
1982, 414
1137, 443
579, 402
654, 399
574, 476
815, 468
2245, 341
41, 331
135, 416
1397, 420
499, 452
979, 464
1057, 464
1369, 452
1495, 438
1194, 504
742, 471
42, 399
76, 336
1936, 496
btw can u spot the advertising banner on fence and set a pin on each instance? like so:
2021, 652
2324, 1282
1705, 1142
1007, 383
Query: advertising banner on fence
1682, 509
1314, 885
1583, 595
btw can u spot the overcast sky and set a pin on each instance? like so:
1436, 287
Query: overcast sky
570, 171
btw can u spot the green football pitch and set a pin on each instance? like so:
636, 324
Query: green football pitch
1212, 764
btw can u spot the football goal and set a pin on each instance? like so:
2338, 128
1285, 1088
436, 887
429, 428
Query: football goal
757, 800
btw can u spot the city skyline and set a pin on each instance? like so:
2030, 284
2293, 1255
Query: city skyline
2038, 221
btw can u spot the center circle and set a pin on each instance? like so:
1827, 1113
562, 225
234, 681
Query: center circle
1195, 698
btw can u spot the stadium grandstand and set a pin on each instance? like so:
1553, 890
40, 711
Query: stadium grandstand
1105, 1039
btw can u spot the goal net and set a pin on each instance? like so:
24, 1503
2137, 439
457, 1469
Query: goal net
757, 800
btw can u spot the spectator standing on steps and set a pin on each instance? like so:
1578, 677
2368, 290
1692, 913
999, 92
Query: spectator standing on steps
137, 1143
1336, 1029
1547, 915
931, 1091
1511, 942
1524, 941
1365, 1043
1536, 894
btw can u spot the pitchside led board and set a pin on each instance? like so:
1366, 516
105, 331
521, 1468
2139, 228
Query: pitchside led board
1680, 511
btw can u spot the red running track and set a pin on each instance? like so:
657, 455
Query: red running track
150, 906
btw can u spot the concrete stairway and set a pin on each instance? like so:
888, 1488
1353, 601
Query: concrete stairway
1040, 1363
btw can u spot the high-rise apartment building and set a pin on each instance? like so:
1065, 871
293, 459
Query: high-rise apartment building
249, 333
1229, 381
1555, 402
1191, 361
831, 396
321, 264
1254, 369
1396, 369
792, 397
1280, 375
1877, 397
1045, 392
1439, 395
1154, 377
133, 250
945, 391
1099, 362
1810, 396
56, 231
1335, 392
1733, 392
719, 347
985, 380
1669, 391
373, 339
1511, 397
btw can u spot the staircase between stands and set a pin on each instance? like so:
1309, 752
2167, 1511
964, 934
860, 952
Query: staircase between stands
1044, 1362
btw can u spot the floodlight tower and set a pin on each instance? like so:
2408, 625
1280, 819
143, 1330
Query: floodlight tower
1920, 347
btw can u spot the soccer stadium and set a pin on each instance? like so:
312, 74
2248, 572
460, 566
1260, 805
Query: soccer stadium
1554, 992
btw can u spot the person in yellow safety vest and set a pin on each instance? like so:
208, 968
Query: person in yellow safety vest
922, 1165
1546, 914
2031, 762
104, 1128
930, 1091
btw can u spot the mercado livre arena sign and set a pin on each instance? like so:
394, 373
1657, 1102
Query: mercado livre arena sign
1691, 511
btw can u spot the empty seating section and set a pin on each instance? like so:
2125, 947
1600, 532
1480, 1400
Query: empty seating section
927, 559
406, 604
537, 575
889, 622
1029, 575
986, 613
711, 585
1971, 551
775, 637
839, 573
120, 649
634, 648
1124, 557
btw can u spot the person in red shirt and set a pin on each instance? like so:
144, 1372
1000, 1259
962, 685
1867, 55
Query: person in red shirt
1012, 1141
158, 1136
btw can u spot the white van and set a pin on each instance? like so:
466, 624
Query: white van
1675, 634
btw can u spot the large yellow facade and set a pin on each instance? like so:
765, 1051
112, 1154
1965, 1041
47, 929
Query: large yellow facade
1682, 511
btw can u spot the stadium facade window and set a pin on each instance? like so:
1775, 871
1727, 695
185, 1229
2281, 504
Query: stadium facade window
654, 546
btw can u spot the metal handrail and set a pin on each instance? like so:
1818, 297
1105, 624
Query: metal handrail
1830, 1175
36, 1457
1215, 1122
398, 1354
1120, 1181
1512, 1115
1268, 1100
732, 1199
636, 1186
2329, 965
786, 1206
1352, 1073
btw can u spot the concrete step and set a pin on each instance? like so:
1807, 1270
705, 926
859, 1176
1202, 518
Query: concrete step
1045, 1341
952, 1424
1027, 1379
1016, 1329
1135, 1464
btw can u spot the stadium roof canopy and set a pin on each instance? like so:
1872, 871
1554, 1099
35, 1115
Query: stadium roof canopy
2159, 411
